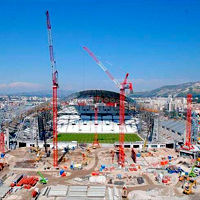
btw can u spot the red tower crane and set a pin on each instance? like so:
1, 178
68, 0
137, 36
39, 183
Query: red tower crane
188, 145
2, 143
96, 142
54, 87
122, 86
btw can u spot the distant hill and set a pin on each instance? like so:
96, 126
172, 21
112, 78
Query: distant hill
180, 90
42, 93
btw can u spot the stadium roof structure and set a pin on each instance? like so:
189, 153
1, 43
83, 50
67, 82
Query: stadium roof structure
98, 93
176, 126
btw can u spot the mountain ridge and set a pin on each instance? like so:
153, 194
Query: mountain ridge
179, 90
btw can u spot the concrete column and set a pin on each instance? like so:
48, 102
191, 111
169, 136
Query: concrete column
7, 139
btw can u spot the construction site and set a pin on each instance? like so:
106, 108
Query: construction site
98, 145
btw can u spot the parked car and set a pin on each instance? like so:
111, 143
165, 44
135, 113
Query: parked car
173, 169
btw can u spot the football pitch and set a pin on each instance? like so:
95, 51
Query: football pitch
103, 138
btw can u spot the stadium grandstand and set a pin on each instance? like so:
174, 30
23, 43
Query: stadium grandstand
79, 114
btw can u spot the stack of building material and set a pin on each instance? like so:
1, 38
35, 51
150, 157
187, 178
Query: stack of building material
4, 190
28, 182
114, 194
117, 194
110, 193
96, 192
58, 191
45, 191
77, 192
16, 180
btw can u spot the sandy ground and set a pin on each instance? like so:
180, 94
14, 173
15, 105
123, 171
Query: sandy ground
21, 161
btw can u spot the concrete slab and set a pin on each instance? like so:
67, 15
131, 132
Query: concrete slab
4, 190
56, 193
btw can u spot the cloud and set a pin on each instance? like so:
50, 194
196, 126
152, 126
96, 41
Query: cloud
20, 86
2, 86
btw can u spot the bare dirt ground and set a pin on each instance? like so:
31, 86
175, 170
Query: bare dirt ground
22, 161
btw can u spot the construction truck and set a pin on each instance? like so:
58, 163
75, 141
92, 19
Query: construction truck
189, 185
42, 179
173, 169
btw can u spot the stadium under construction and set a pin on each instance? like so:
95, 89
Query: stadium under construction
76, 116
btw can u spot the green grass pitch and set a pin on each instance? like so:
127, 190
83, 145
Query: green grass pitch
103, 138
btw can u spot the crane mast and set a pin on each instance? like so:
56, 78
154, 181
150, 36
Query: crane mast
54, 87
188, 145
122, 86
96, 141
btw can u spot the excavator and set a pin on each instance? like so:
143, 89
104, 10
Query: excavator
35, 149
189, 185
38, 158
192, 173
183, 177
42, 179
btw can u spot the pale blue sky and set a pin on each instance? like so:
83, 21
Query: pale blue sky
157, 42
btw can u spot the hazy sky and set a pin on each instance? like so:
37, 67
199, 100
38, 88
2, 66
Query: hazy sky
157, 42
